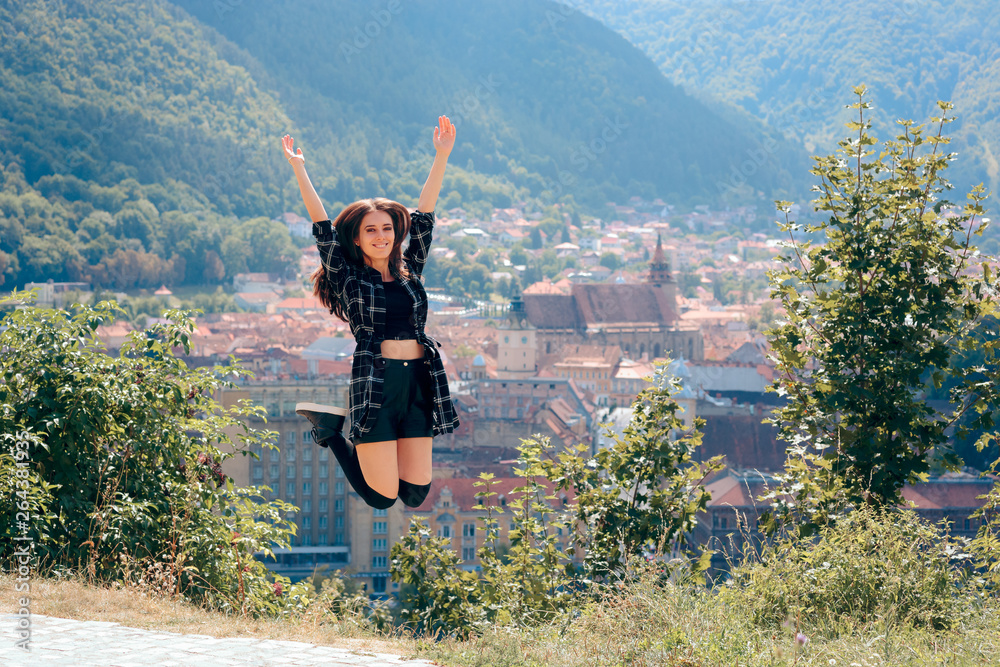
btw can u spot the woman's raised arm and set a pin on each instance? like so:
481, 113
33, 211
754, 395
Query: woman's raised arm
313, 204
444, 141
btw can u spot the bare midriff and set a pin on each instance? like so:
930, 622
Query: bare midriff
402, 349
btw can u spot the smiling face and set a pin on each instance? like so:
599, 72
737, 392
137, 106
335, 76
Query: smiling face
376, 237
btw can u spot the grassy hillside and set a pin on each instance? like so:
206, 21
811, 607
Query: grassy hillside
792, 64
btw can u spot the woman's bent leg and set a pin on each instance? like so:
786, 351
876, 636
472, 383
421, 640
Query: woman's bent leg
378, 465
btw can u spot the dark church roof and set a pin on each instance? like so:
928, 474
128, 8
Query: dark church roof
552, 311
600, 305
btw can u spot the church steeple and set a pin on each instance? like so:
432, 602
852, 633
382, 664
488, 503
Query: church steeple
517, 317
659, 270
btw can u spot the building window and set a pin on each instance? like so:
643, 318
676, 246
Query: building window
380, 527
445, 531
338, 539
290, 490
307, 523
338, 522
258, 473
324, 504
338, 488
307, 488
307, 471
379, 561
338, 472
307, 437
307, 454
307, 505
378, 512
379, 544
275, 471
324, 470
290, 438
289, 472
378, 584
468, 530
468, 553
307, 540
338, 505
724, 523
290, 453
324, 454
324, 488
323, 540
322, 523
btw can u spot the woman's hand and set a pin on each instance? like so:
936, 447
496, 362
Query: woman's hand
444, 135
293, 158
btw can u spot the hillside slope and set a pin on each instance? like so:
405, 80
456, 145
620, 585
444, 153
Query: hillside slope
793, 64
536, 92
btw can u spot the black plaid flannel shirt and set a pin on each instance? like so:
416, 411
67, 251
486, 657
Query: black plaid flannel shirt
360, 289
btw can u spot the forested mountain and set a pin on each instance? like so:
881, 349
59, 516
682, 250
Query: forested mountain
793, 63
139, 140
531, 86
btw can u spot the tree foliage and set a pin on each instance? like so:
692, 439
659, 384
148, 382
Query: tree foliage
636, 500
641, 495
113, 465
890, 297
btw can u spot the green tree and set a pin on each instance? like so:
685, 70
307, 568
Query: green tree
890, 298
536, 238
518, 256
610, 260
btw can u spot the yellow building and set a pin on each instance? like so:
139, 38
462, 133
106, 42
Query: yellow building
591, 367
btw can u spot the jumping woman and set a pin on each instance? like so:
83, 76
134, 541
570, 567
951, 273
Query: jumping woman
399, 396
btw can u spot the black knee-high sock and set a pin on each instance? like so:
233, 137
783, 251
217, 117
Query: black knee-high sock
413, 494
347, 456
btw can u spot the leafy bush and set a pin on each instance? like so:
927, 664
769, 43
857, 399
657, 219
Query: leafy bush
122, 477
635, 500
641, 495
886, 565
442, 598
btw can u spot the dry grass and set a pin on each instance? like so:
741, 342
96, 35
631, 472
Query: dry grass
138, 609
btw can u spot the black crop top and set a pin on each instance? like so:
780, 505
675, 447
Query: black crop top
399, 323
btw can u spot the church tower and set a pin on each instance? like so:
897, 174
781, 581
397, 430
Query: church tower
659, 274
516, 351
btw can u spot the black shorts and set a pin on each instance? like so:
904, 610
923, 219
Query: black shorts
407, 403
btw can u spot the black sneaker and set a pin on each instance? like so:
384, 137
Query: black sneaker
327, 421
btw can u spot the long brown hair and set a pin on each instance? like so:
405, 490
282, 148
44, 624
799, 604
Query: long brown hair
347, 227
